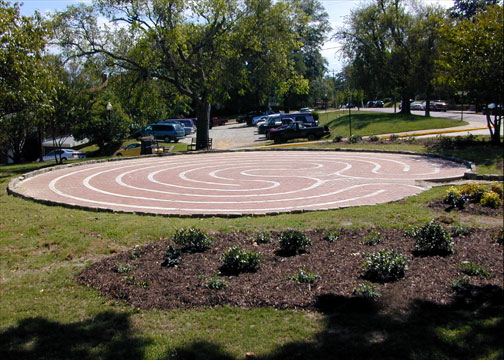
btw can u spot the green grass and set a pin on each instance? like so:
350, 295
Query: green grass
370, 123
44, 313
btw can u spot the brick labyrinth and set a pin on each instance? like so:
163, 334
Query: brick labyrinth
239, 183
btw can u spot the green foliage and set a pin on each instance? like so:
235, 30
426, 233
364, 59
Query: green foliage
262, 237
292, 241
498, 236
373, 239
455, 198
171, 257
192, 239
332, 236
354, 139
460, 230
216, 283
385, 266
235, 261
123, 268
374, 138
394, 137
366, 290
491, 199
338, 139
432, 239
136, 252
305, 277
460, 285
471, 269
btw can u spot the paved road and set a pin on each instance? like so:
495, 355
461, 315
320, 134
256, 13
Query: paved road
235, 135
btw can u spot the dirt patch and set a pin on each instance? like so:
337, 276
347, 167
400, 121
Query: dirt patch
339, 265
469, 208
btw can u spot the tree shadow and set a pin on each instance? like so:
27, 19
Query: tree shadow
107, 336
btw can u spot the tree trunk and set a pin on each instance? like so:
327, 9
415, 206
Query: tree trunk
494, 127
405, 107
202, 132
427, 106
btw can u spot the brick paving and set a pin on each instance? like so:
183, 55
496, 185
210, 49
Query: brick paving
239, 183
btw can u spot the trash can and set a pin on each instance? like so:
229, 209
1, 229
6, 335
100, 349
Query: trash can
146, 146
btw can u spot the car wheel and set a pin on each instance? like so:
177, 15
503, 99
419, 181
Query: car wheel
63, 159
175, 140
167, 139
268, 135
311, 137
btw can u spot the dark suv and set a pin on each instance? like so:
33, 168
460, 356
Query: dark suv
162, 131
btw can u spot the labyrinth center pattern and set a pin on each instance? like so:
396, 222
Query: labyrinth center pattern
239, 182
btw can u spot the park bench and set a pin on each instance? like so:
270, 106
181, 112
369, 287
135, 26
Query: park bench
192, 145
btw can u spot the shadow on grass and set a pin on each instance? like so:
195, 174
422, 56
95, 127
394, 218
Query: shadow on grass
471, 327
108, 336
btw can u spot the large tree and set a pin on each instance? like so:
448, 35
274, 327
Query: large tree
472, 61
201, 47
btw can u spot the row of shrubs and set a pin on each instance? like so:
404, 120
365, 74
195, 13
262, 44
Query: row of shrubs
379, 267
489, 195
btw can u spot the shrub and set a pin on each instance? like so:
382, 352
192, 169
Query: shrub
136, 252
354, 139
172, 257
192, 239
498, 236
394, 137
366, 290
262, 237
123, 268
385, 266
374, 138
471, 269
461, 285
305, 277
491, 199
332, 236
497, 188
292, 241
236, 261
216, 283
373, 239
474, 191
433, 239
460, 230
338, 138
455, 198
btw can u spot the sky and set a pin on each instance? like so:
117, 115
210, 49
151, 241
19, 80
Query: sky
337, 10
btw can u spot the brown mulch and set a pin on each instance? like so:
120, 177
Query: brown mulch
339, 265
469, 208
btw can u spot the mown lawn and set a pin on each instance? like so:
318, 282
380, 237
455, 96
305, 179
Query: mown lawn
44, 313
374, 123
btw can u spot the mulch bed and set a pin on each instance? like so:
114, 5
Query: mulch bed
339, 264
469, 208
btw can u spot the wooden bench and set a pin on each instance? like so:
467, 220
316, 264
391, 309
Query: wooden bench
192, 145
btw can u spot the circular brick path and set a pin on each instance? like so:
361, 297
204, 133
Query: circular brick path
238, 183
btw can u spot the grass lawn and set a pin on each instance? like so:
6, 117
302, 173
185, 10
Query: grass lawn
374, 123
44, 313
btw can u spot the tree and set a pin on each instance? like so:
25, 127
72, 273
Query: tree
203, 48
472, 60
467, 9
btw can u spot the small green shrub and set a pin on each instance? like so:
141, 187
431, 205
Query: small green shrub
373, 239
171, 257
366, 290
471, 269
130, 279
394, 137
497, 188
292, 241
433, 239
305, 277
338, 138
192, 239
385, 266
460, 230
498, 236
374, 138
123, 268
474, 191
354, 139
491, 199
460, 285
262, 237
236, 261
455, 198
332, 236
216, 283
136, 252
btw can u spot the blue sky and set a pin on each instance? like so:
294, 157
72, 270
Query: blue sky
337, 10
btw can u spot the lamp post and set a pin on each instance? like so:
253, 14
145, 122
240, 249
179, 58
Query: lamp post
462, 94
109, 110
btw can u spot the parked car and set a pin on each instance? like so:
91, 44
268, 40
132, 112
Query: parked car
306, 109
370, 104
378, 104
162, 131
416, 105
439, 105
255, 119
274, 122
247, 118
215, 121
297, 130
63, 154
129, 150
187, 124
